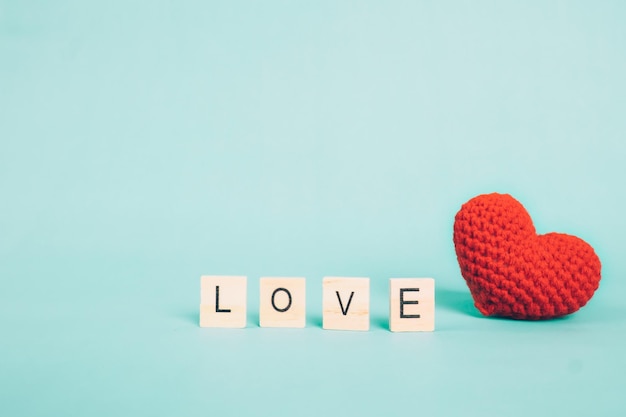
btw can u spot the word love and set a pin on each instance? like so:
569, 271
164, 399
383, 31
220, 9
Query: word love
345, 302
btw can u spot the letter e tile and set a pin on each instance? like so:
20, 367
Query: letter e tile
411, 304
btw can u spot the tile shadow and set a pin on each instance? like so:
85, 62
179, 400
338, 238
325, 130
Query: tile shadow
314, 321
380, 322
189, 317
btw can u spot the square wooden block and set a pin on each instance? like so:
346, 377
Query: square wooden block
283, 302
223, 301
411, 304
346, 303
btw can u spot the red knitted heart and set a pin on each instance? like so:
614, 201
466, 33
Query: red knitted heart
513, 272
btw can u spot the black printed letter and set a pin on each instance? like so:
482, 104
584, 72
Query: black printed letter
341, 304
217, 301
402, 303
281, 310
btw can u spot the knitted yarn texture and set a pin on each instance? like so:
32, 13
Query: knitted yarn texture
513, 272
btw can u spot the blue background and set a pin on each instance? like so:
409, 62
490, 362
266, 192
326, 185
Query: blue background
143, 144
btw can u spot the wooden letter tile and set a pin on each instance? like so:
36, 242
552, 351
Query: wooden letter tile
283, 302
346, 303
411, 304
223, 301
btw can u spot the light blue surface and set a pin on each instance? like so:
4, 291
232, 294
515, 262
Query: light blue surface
143, 144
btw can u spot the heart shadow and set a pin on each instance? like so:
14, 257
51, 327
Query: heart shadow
462, 302
456, 300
